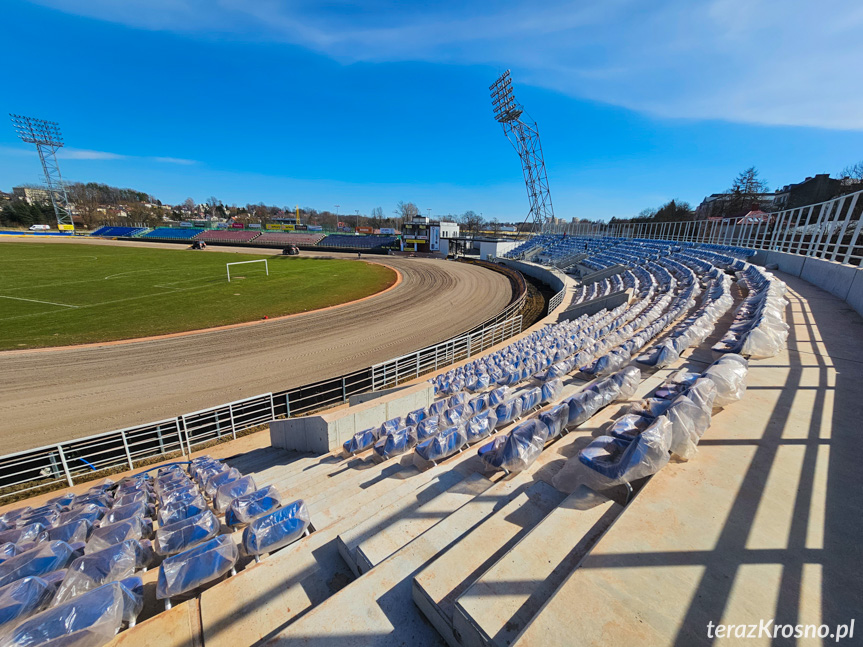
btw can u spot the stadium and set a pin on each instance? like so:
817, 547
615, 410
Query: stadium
630, 432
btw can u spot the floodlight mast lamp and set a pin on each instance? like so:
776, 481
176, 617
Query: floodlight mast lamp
46, 135
524, 137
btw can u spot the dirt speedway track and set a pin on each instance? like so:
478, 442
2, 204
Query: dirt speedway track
56, 395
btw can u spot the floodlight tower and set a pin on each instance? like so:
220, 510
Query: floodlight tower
46, 135
524, 136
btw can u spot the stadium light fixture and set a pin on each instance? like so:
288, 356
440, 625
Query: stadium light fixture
48, 139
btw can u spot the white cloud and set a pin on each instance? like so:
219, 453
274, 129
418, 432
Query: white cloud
173, 160
84, 154
757, 61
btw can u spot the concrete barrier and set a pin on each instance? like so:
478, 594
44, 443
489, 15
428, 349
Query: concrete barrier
324, 433
595, 305
599, 275
842, 281
552, 277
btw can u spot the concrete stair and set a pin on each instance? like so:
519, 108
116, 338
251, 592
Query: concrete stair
504, 599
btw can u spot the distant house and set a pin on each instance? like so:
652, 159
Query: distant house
755, 217
31, 195
812, 190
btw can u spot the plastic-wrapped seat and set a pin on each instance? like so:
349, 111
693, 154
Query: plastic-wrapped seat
182, 509
498, 396
391, 425
216, 481
230, 491
74, 531
455, 415
517, 450
182, 535
362, 440
414, 417
477, 404
89, 620
627, 380
192, 568
92, 571
134, 496
428, 428
8, 550
629, 426
551, 390
121, 513
530, 399
478, 383
22, 598
22, 535
438, 407
104, 536
555, 419
480, 426
276, 529
582, 406
186, 492
609, 461
247, 508
444, 444
92, 512
729, 376
508, 411
396, 443
40, 560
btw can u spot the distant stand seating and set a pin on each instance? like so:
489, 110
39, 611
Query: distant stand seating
118, 232
357, 242
170, 233
278, 238
227, 235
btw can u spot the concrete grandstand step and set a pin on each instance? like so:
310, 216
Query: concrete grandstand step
503, 600
376, 609
267, 596
380, 536
436, 586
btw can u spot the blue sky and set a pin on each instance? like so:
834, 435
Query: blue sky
363, 104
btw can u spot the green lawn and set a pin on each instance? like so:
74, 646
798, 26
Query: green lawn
56, 295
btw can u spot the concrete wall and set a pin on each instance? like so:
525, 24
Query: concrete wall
843, 281
323, 433
548, 275
595, 305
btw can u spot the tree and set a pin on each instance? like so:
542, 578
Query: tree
406, 211
470, 221
495, 226
377, 217
853, 172
190, 205
746, 191
86, 198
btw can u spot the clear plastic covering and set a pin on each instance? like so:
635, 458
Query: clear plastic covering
456, 415
552, 390
396, 443
729, 376
498, 396
664, 354
89, 620
480, 426
74, 531
428, 428
477, 404
190, 569
518, 449
7, 550
508, 411
275, 530
22, 535
362, 440
415, 417
104, 536
186, 492
609, 461
136, 496
531, 398
437, 408
230, 491
555, 419
249, 507
582, 406
218, 480
182, 509
92, 571
121, 513
445, 443
628, 380
184, 534
394, 424
629, 426
22, 598
44, 558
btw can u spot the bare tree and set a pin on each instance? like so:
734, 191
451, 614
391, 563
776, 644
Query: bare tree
853, 172
85, 197
190, 205
471, 221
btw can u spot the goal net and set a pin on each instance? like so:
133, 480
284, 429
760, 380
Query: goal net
261, 260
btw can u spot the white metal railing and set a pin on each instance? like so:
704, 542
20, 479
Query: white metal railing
556, 300
829, 230
409, 367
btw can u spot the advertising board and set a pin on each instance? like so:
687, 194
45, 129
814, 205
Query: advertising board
236, 225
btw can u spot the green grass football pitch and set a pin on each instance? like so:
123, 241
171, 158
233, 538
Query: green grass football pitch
56, 295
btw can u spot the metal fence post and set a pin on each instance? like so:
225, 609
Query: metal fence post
288, 397
180, 438
344, 391
272, 407
233, 426
65, 466
126, 447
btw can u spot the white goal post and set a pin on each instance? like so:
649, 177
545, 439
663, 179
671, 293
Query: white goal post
260, 260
